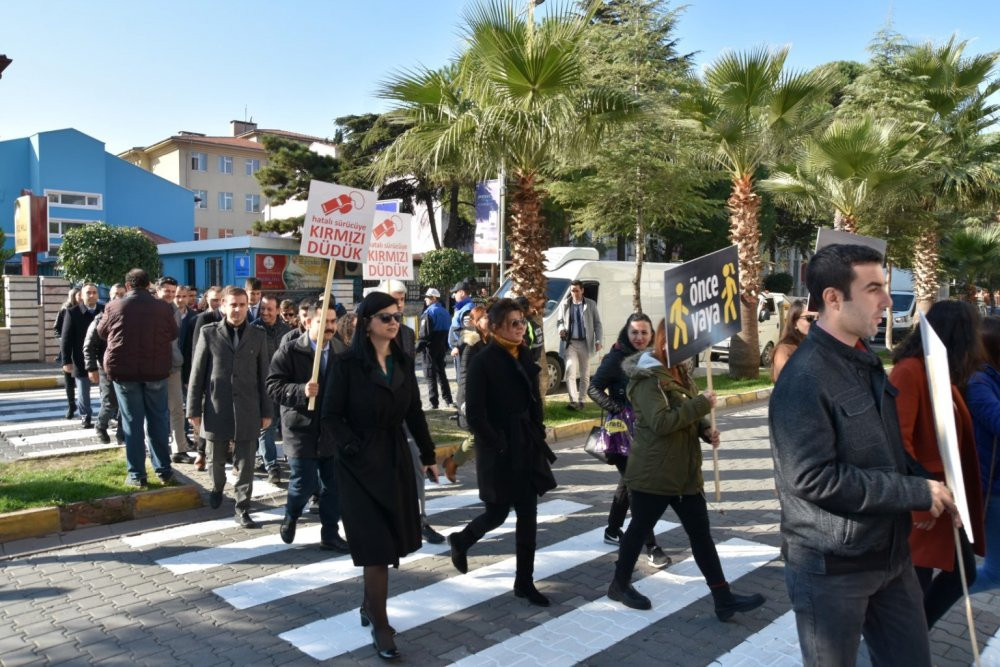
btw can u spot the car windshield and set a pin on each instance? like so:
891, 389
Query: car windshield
554, 291
901, 301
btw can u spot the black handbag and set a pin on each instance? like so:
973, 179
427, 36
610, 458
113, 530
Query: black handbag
597, 443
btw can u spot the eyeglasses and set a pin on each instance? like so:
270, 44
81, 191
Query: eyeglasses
517, 323
809, 318
385, 318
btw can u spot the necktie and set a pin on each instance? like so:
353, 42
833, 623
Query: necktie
578, 313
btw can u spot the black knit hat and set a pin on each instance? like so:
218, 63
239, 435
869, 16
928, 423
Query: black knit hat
374, 302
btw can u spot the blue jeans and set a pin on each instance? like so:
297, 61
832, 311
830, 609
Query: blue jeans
305, 474
988, 574
265, 445
145, 404
83, 397
832, 611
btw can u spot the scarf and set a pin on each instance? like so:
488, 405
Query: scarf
509, 345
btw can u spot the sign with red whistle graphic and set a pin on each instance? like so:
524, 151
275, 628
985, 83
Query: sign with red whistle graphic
337, 223
390, 252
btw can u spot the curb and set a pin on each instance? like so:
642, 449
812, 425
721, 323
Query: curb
41, 521
564, 431
26, 384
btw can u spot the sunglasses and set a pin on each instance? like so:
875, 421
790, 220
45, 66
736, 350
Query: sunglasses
517, 323
809, 318
385, 318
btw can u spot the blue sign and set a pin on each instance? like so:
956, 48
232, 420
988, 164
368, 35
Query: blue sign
241, 264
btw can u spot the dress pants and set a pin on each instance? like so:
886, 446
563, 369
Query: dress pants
577, 369
243, 458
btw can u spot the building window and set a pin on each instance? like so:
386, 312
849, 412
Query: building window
199, 161
213, 269
200, 233
225, 164
225, 233
201, 198
253, 203
74, 199
225, 201
59, 227
253, 166
189, 277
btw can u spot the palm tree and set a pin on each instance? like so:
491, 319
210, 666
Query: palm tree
751, 109
517, 103
965, 173
970, 256
853, 167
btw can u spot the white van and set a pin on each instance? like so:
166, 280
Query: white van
772, 310
608, 283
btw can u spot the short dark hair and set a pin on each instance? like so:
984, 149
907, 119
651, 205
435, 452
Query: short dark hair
137, 279
166, 280
233, 290
576, 283
186, 288
833, 266
270, 297
252, 284
308, 302
498, 311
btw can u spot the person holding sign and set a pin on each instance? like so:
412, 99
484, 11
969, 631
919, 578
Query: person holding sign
841, 472
933, 547
369, 393
664, 470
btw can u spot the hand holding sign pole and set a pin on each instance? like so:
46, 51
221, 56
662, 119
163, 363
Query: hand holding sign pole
702, 310
939, 385
337, 226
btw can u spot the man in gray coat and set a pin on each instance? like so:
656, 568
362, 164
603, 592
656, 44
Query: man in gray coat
228, 388
581, 331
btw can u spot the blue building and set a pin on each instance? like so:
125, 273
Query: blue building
84, 184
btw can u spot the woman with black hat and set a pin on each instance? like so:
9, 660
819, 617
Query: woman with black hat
370, 391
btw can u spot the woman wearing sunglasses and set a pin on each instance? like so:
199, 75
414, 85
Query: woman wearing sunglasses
371, 389
503, 406
792, 334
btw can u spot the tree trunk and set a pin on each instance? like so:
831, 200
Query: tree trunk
744, 231
925, 269
429, 203
527, 238
453, 205
640, 256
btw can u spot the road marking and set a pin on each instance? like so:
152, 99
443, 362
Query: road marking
990, 655
46, 438
275, 586
333, 636
20, 427
204, 559
45, 453
596, 626
776, 644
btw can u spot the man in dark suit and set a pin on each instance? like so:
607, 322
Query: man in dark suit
212, 314
227, 397
252, 287
74, 330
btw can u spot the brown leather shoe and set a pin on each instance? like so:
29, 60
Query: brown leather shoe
199, 462
450, 468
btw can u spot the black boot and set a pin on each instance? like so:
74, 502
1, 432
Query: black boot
458, 550
526, 589
628, 596
728, 603
524, 579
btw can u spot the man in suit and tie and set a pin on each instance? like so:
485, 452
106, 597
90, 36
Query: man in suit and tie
252, 286
227, 397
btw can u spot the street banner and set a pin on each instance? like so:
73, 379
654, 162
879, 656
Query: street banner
31, 224
337, 223
390, 250
486, 249
702, 303
289, 272
939, 383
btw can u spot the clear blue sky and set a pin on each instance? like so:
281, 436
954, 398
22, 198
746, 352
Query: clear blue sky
131, 73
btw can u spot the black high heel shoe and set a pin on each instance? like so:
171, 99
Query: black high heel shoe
384, 653
366, 620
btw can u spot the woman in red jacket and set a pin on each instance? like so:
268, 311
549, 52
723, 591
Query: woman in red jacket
932, 543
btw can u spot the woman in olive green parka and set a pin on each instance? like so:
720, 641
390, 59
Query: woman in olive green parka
664, 470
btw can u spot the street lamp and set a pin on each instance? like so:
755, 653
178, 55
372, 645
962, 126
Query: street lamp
4, 61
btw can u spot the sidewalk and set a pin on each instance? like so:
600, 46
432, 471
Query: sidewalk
29, 375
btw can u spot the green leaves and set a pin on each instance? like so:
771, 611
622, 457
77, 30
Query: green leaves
103, 254
445, 267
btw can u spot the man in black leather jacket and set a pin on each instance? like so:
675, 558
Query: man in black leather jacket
843, 479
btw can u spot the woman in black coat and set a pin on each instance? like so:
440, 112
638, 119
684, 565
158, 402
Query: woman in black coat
607, 389
371, 390
504, 410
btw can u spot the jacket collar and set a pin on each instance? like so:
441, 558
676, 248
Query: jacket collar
860, 357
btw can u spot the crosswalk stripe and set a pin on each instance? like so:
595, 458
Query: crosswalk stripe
21, 427
776, 644
333, 636
990, 656
45, 453
245, 594
204, 559
46, 438
20, 416
608, 623
163, 535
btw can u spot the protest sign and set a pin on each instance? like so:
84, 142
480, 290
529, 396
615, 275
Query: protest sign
827, 237
702, 303
389, 253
